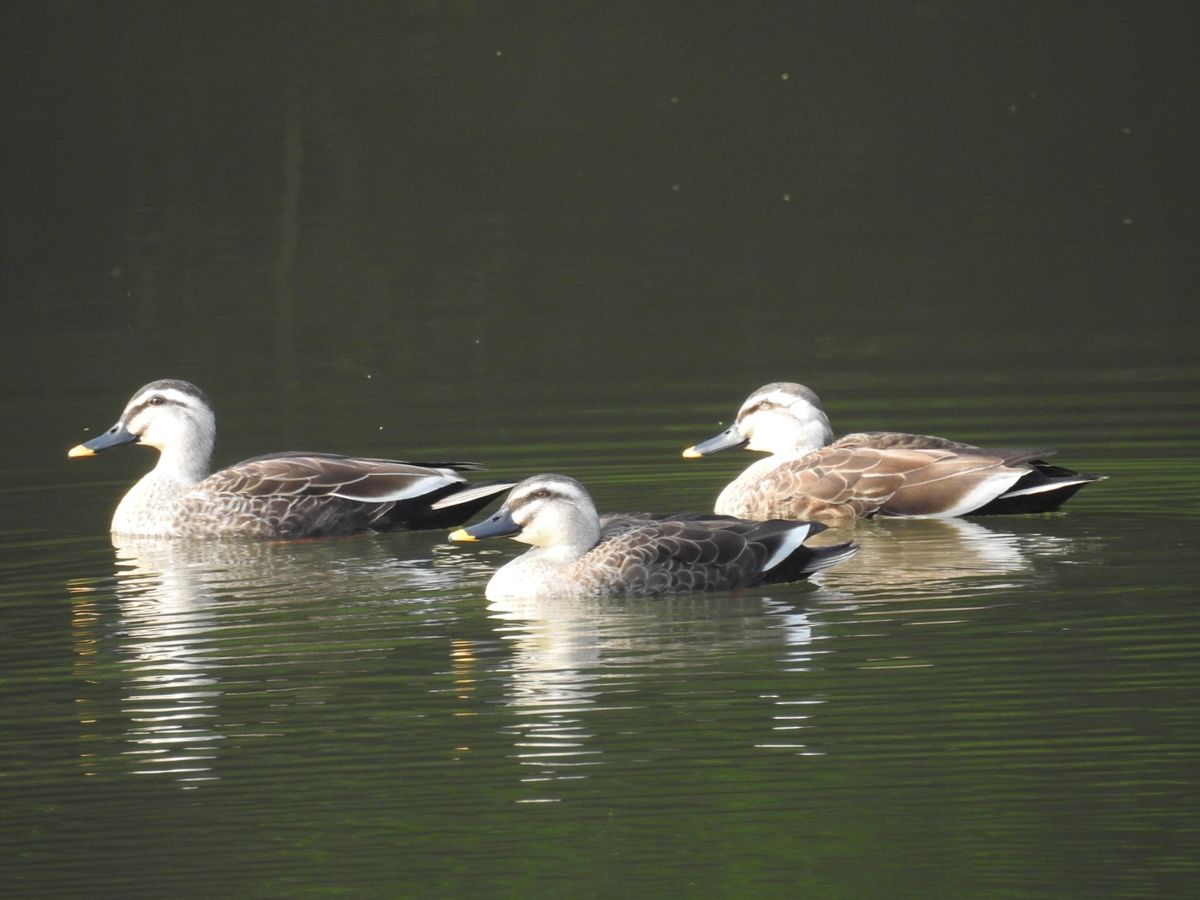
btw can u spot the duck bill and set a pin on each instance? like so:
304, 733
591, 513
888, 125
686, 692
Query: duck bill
114, 437
499, 525
728, 439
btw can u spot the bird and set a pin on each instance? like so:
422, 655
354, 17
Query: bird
577, 554
809, 475
276, 496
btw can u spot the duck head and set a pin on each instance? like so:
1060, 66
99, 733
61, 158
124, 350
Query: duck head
175, 417
781, 417
545, 511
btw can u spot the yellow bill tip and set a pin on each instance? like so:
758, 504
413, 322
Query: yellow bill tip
461, 534
79, 450
690, 453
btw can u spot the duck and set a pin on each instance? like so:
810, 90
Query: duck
809, 475
276, 496
577, 554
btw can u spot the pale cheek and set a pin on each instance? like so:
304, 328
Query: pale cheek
765, 438
526, 535
755, 436
157, 436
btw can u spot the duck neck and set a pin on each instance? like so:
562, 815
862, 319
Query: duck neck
186, 462
738, 497
559, 555
146, 508
539, 570
581, 536
812, 434
536, 572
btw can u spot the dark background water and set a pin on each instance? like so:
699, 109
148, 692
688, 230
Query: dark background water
573, 237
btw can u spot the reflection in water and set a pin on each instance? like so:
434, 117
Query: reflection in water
165, 592
171, 699
573, 659
914, 559
936, 572
194, 643
552, 682
189, 614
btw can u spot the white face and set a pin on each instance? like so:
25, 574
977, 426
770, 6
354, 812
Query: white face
782, 419
168, 417
552, 510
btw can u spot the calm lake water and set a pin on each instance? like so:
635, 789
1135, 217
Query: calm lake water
572, 239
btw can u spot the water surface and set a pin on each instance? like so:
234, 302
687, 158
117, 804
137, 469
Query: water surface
573, 241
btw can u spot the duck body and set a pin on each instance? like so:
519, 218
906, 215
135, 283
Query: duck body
808, 475
578, 554
295, 495
277, 496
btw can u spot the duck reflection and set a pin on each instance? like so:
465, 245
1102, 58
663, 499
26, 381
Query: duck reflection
910, 559
166, 591
194, 618
572, 659
169, 691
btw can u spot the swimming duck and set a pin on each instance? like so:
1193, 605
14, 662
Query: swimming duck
577, 554
809, 475
280, 495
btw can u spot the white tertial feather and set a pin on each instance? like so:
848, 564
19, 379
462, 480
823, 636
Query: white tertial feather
417, 488
472, 493
791, 541
1049, 486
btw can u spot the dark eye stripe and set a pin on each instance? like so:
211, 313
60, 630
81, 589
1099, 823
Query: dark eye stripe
757, 407
539, 494
146, 404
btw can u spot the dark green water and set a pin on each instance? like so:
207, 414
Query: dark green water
572, 239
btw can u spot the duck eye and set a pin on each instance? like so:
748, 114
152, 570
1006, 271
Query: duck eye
157, 400
541, 494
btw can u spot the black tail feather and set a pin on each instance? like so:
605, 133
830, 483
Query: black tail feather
1044, 489
804, 561
439, 509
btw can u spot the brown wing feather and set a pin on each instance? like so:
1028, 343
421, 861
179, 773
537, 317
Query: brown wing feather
661, 557
830, 484
369, 480
840, 482
895, 440
307, 495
